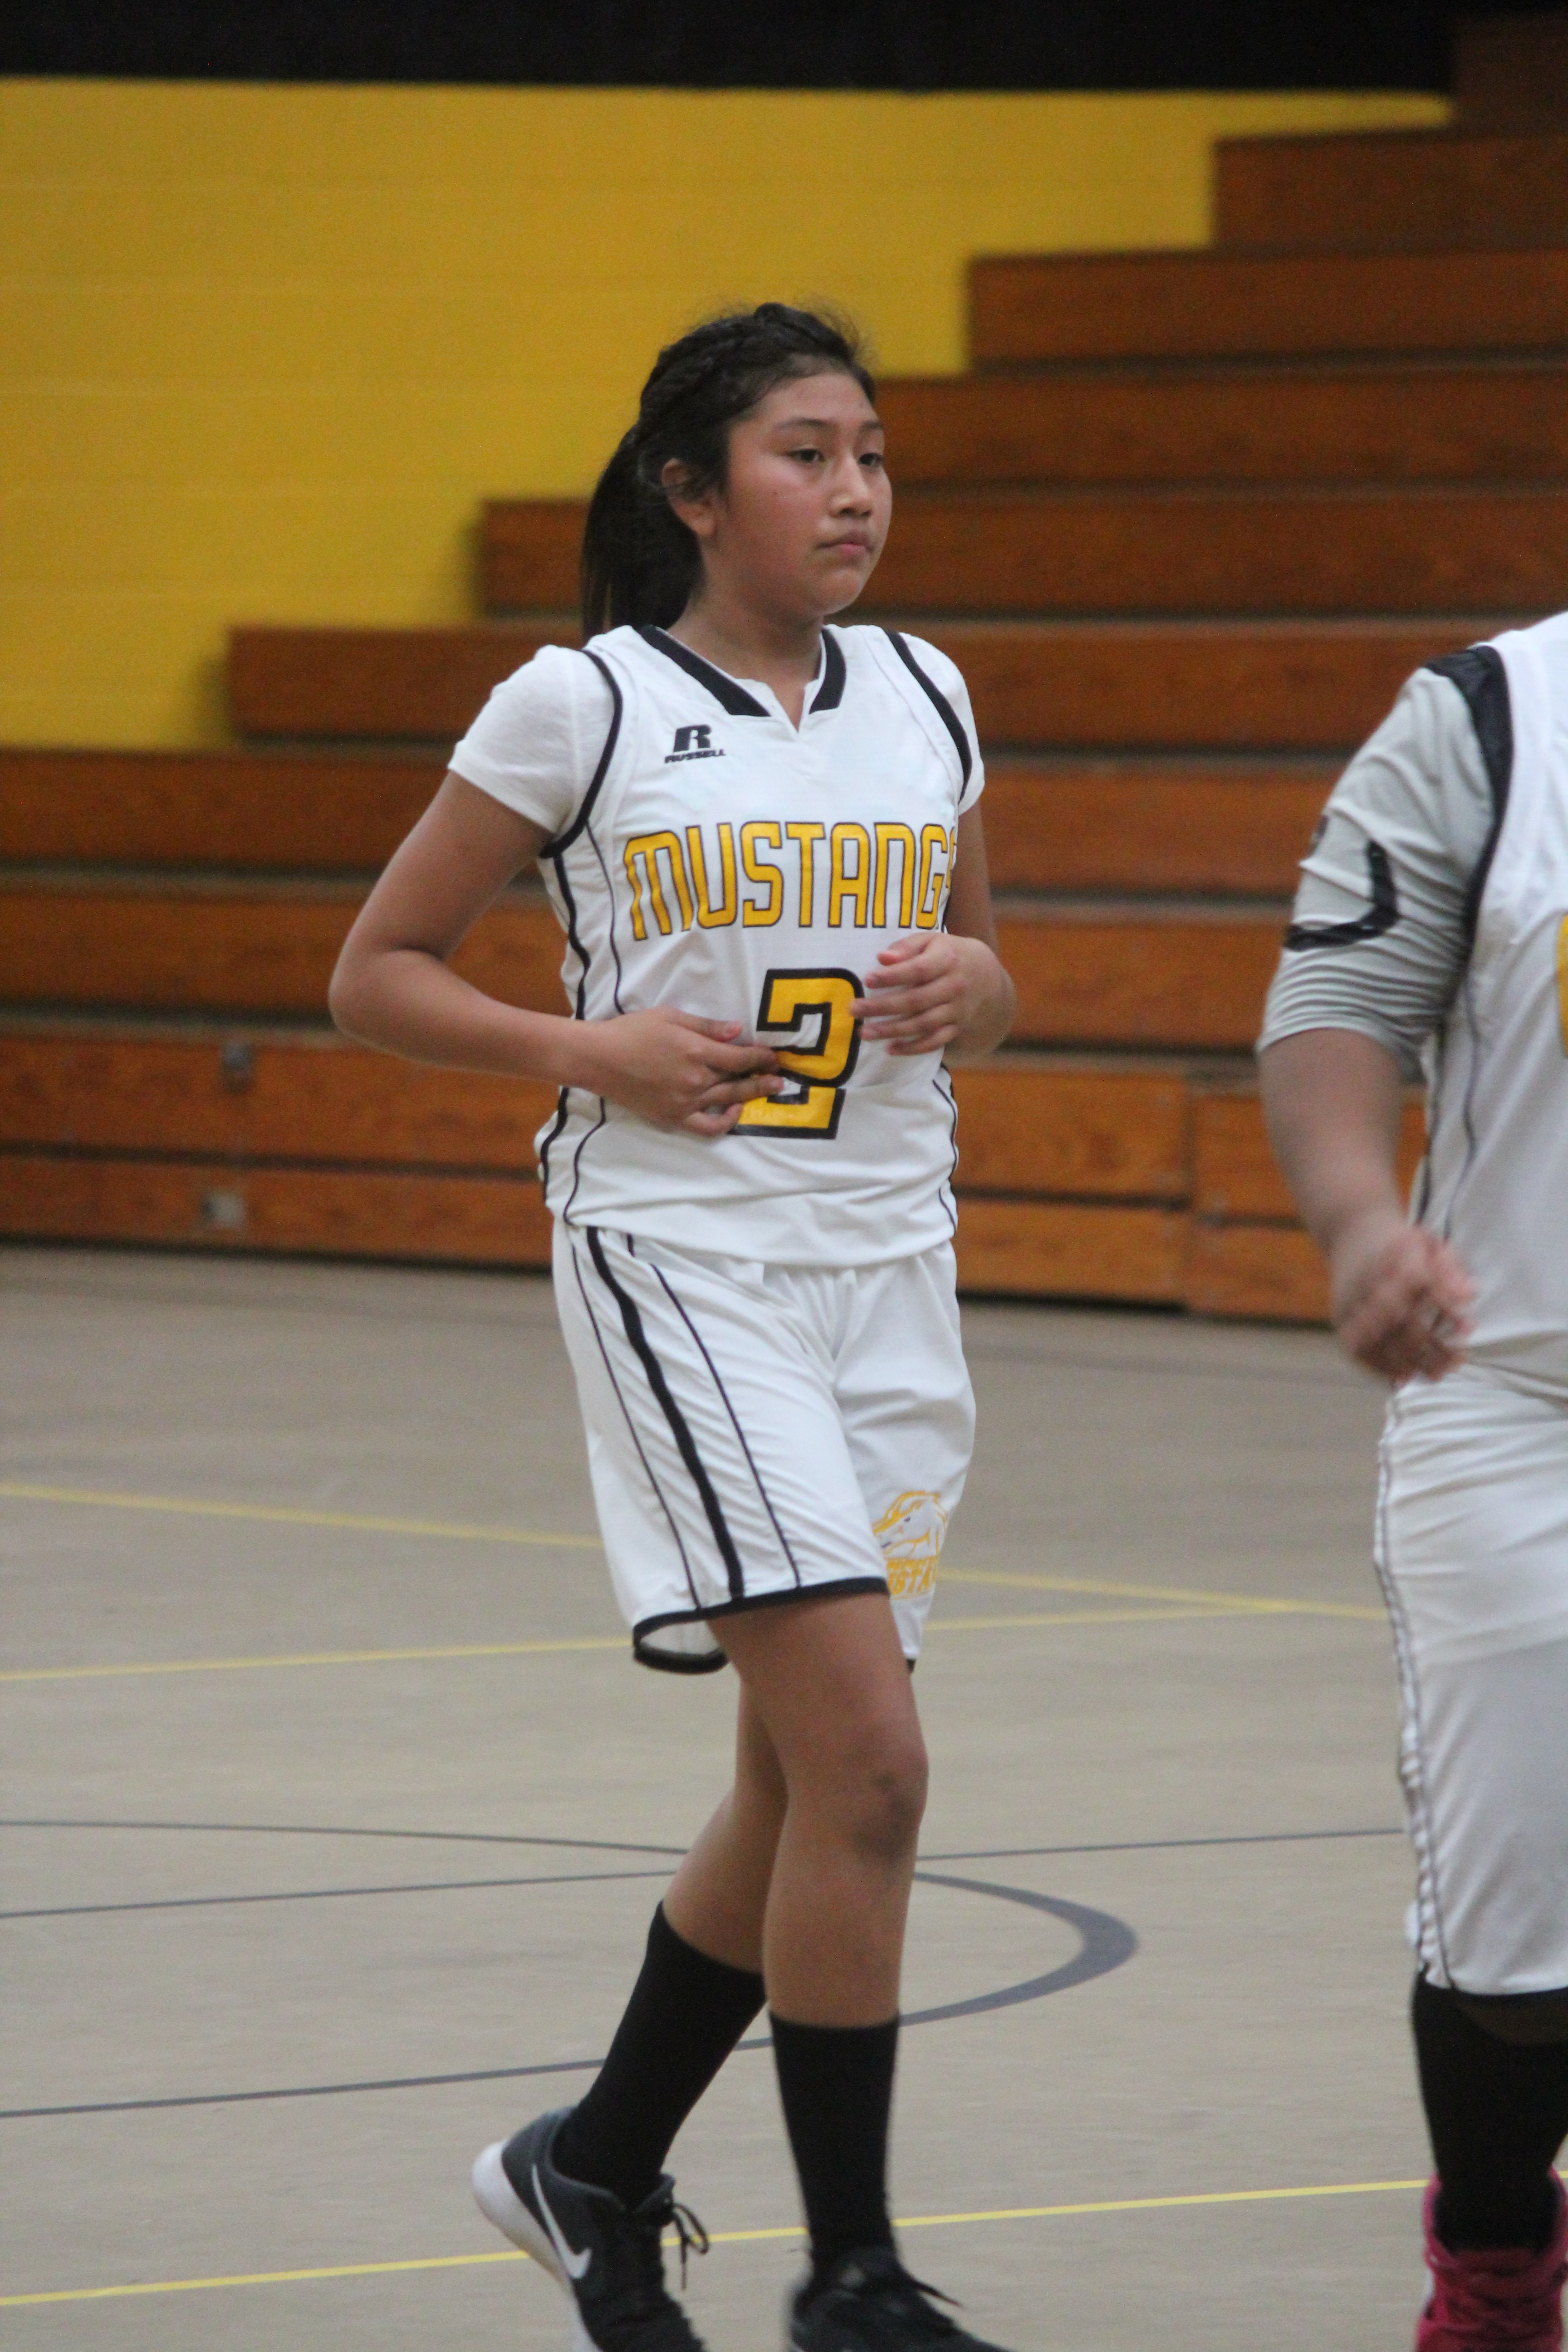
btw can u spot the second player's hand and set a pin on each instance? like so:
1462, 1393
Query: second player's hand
672, 1068
929, 992
1401, 1298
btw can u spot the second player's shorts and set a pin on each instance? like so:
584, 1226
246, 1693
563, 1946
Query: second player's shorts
759, 1432
1473, 1553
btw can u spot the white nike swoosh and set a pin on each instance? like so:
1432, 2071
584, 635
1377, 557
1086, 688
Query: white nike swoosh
574, 2265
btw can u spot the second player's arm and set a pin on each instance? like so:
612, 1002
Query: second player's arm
1400, 1297
946, 990
395, 987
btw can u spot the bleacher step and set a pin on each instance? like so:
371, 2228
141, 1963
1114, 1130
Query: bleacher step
1388, 191
1115, 686
1365, 420
1086, 824
1086, 975
303, 812
1238, 551
1204, 305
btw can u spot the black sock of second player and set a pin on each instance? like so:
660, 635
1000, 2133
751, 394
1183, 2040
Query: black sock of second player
836, 2085
1497, 2113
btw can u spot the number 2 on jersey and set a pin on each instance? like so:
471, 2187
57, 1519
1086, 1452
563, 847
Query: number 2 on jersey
822, 1068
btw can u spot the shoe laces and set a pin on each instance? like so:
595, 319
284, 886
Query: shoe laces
647, 2298
690, 2233
886, 2283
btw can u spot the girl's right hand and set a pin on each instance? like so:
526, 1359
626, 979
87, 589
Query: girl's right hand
1402, 1299
672, 1068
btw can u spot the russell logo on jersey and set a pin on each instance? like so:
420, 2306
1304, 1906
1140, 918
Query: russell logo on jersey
692, 744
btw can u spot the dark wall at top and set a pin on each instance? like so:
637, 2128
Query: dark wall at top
909, 45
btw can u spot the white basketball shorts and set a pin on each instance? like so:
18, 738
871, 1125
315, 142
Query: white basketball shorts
1472, 1549
758, 1431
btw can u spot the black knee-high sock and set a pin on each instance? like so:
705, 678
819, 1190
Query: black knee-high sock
1497, 2114
685, 2016
836, 2085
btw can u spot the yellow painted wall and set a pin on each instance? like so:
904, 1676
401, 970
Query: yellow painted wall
265, 349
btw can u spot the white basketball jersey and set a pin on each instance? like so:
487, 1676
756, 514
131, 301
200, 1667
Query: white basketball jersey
1497, 1175
725, 863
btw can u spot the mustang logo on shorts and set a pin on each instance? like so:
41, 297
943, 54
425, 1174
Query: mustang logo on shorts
910, 1532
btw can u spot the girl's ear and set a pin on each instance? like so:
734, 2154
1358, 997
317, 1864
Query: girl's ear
697, 513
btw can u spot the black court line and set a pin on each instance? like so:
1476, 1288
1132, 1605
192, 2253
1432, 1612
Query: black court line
1163, 1845
593, 1877
310, 1829
332, 1894
1105, 1943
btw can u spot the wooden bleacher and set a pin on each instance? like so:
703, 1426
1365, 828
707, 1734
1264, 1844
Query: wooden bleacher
1187, 525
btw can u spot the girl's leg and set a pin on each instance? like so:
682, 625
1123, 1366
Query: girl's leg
718, 1898
700, 1988
829, 1682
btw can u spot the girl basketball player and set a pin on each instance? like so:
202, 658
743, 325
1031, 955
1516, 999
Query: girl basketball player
761, 837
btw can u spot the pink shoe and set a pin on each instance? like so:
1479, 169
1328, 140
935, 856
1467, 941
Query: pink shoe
1506, 2301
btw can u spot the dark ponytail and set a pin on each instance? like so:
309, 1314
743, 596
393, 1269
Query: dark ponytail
640, 563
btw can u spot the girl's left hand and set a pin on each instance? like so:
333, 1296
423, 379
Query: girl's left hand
932, 991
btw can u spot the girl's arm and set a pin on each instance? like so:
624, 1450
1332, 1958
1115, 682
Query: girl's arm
946, 990
1401, 1297
395, 987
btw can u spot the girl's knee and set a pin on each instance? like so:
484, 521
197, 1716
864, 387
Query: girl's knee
877, 1795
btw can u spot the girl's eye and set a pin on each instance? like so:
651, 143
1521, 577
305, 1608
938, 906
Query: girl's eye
875, 458
814, 454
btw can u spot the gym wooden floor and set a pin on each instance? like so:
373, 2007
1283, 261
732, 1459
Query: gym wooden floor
336, 1812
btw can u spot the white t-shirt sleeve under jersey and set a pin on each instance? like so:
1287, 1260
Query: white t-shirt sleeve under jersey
1414, 806
536, 743
946, 675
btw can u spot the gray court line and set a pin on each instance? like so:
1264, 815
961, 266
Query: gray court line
331, 1894
1162, 1845
591, 1878
1104, 1943
307, 1828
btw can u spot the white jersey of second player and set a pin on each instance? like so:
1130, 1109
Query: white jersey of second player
706, 855
1496, 1181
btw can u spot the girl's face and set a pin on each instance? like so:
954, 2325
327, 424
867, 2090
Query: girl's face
800, 519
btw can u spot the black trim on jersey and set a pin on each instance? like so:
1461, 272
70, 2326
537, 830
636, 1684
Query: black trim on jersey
943, 1085
583, 1141
1481, 678
562, 1113
610, 901
553, 849
724, 690
830, 693
940, 703
677, 1665
1382, 915
555, 852
679, 1428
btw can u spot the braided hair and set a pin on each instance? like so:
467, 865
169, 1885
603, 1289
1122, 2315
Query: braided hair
640, 564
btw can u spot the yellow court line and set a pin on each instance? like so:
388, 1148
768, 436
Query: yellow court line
1082, 1617
721, 2238
277, 1515
466, 1531
542, 1649
1241, 1603
311, 1658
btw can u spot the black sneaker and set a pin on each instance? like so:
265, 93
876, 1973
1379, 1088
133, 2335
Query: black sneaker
868, 2303
607, 2258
